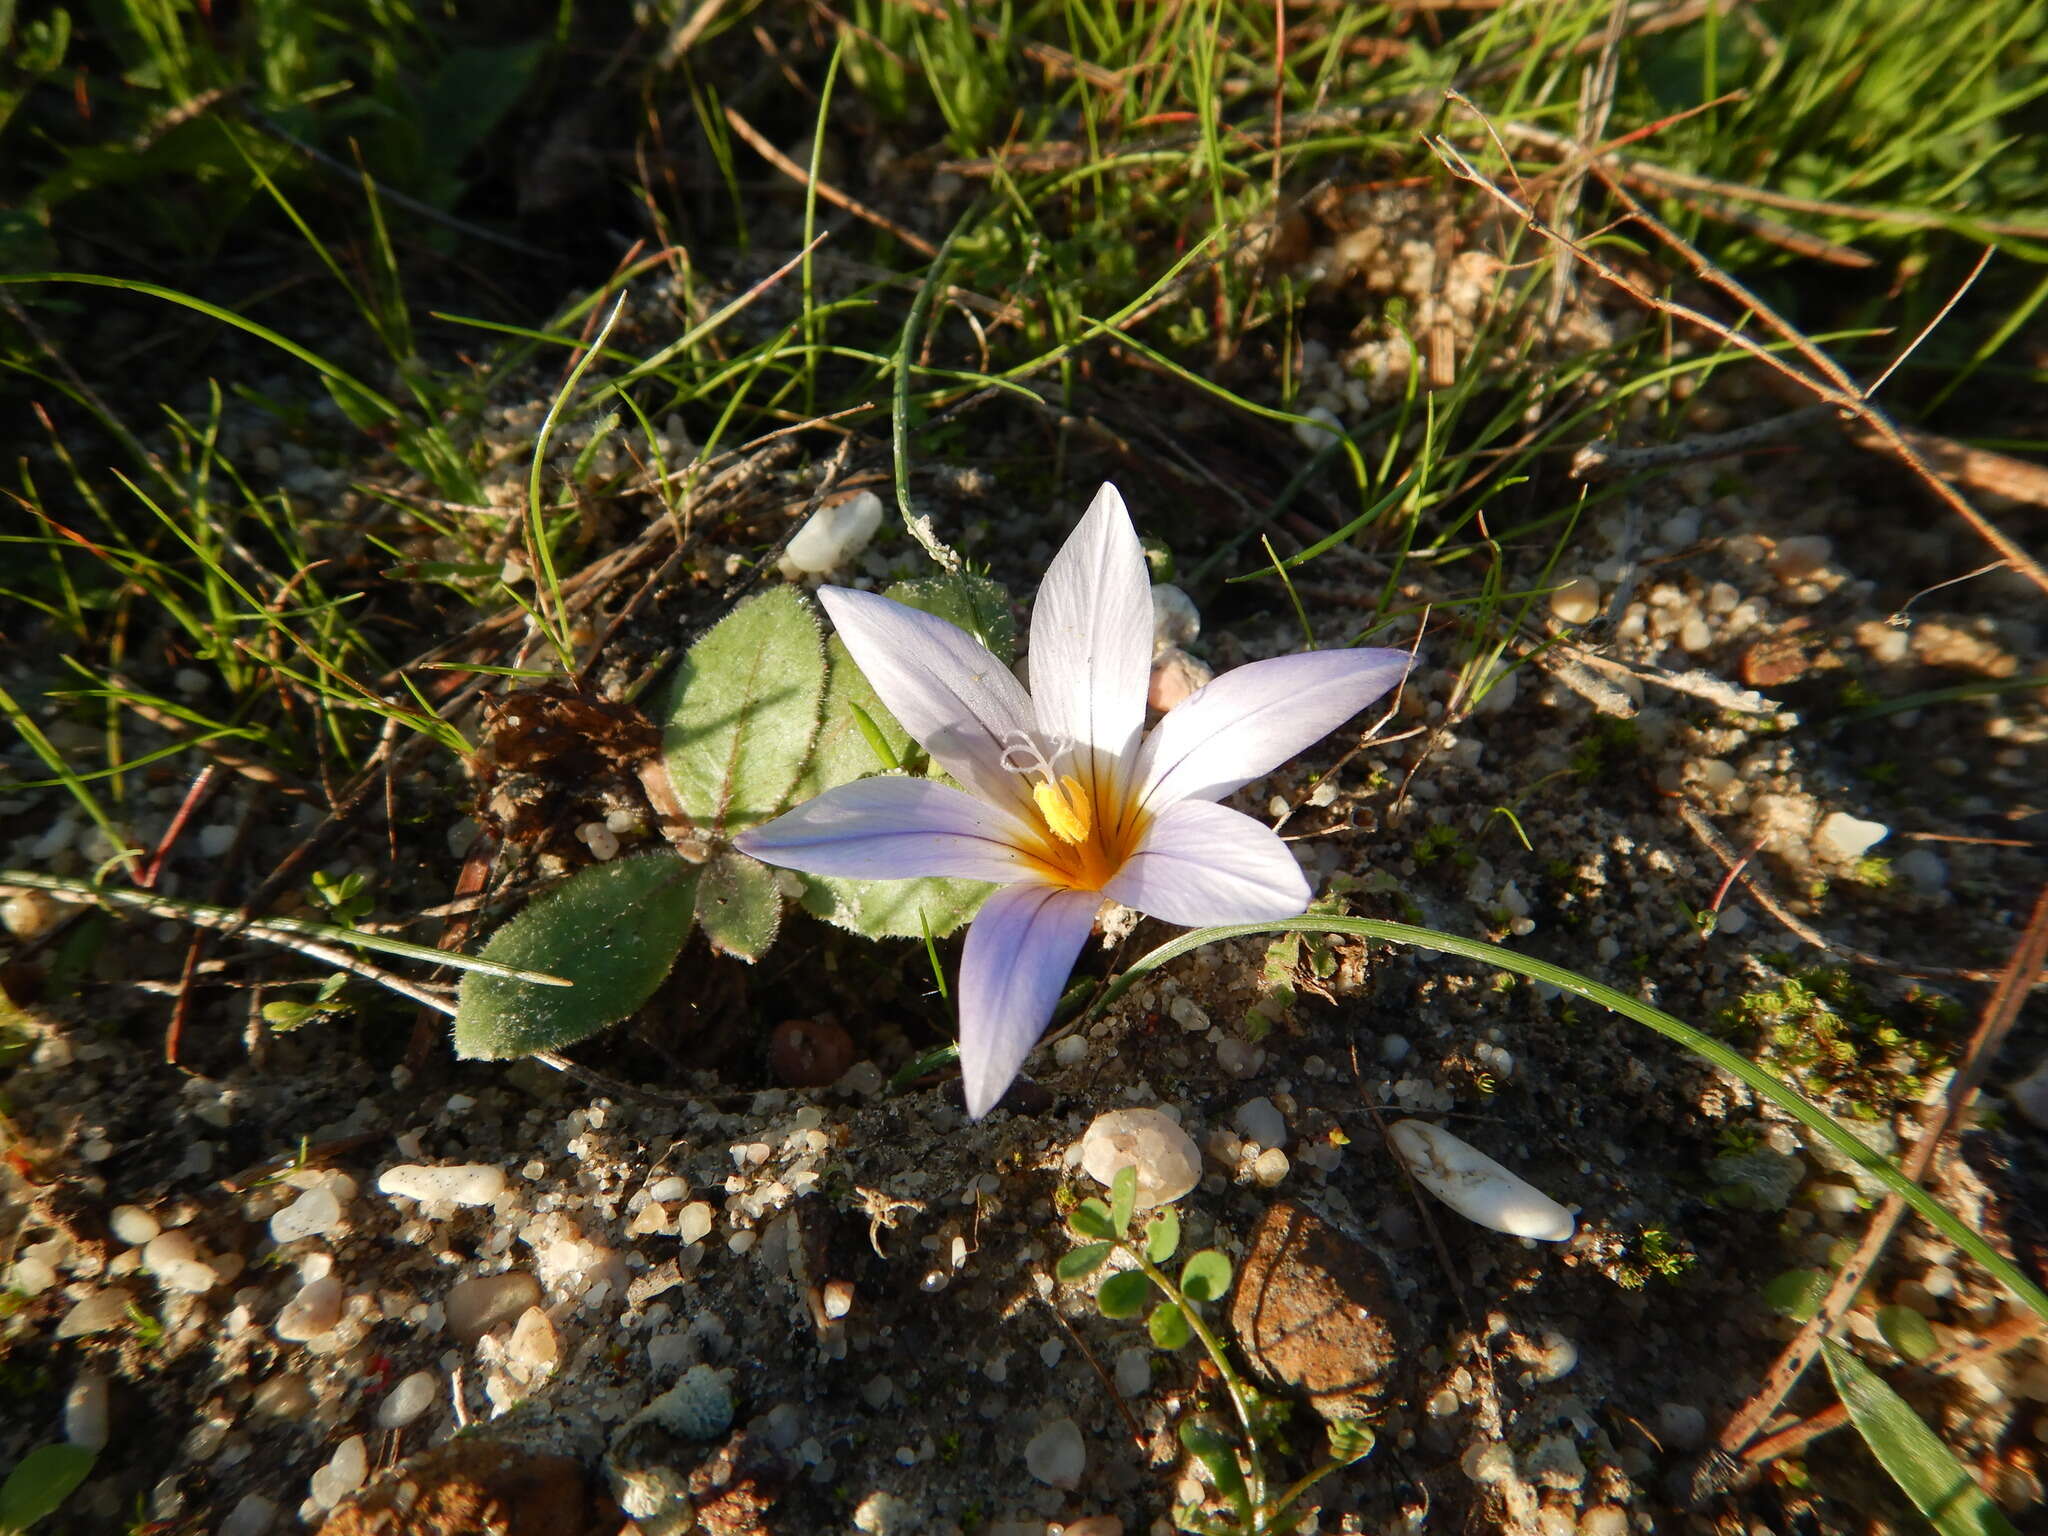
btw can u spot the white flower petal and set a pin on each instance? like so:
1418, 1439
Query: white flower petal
959, 702
891, 829
1201, 863
1091, 638
1017, 958
1252, 719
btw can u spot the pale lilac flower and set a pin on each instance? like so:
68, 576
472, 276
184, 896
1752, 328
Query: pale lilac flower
1065, 800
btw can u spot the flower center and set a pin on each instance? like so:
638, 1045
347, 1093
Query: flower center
1086, 830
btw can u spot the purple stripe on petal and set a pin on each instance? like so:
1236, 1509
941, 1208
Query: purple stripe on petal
1201, 863
1249, 721
891, 829
1091, 639
961, 704
1017, 958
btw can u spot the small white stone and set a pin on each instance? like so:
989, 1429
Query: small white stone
1270, 1168
477, 1305
1176, 676
1848, 838
446, 1184
1489, 1461
837, 1298
1802, 556
1168, 1162
28, 914
833, 536
132, 1225
1258, 1121
342, 1475
313, 1214
1057, 1455
1477, 1187
408, 1400
1576, 601
669, 1190
1604, 1520
173, 1258
1188, 1014
314, 1310
1070, 1050
253, 1515
1175, 619
699, 1407
694, 1222
534, 1347
99, 1312
1134, 1371
85, 1411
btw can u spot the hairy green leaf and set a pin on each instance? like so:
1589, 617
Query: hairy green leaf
739, 905
614, 930
1907, 1332
974, 603
40, 1481
890, 909
1123, 1294
1168, 1326
1925, 1470
744, 712
1091, 1219
842, 751
1163, 1235
1205, 1276
1082, 1262
1123, 1198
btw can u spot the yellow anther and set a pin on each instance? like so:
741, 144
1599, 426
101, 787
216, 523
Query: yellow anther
1065, 808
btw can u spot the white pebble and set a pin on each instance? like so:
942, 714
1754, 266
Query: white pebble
1270, 1168
1258, 1121
132, 1225
1134, 1371
28, 914
408, 1400
313, 1214
477, 1305
1176, 676
314, 1310
1070, 1050
1847, 838
1175, 619
1393, 1048
1188, 1014
1488, 1462
669, 1189
341, 1476
699, 1407
1577, 601
1057, 1455
1477, 1187
253, 1515
693, 1225
1604, 1520
216, 840
450, 1184
85, 1411
99, 1312
1801, 556
1167, 1160
833, 536
173, 1258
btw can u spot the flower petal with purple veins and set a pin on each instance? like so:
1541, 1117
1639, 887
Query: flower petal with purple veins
1251, 720
1201, 863
955, 698
1018, 954
1091, 638
892, 829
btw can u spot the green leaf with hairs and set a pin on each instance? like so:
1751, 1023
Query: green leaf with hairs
973, 603
1205, 1276
1123, 1294
739, 905
1162, 1237
1082, 1262
1168, 1326
614, 930
1123, 1198
1927, 1471
1092, 1219
40, 1481
744, 711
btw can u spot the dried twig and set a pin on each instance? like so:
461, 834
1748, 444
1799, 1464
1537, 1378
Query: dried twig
853, 205
1826, 381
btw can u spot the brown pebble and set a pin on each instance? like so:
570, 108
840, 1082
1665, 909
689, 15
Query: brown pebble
810, 1053
1316, 1311
1780, 658
472, 1485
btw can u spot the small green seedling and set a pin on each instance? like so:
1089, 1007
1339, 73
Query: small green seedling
1234, 1462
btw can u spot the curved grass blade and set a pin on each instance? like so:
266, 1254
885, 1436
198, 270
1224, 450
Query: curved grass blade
1926, 1471
1704, 1046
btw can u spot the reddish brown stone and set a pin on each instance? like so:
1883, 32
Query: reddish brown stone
473, 1487
1316, 1312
